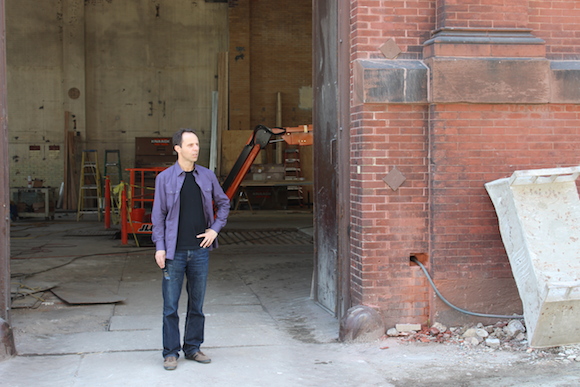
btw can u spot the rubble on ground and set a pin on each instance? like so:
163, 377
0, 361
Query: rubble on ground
502, 336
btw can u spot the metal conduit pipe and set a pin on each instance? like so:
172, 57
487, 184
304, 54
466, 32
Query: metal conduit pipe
414, 259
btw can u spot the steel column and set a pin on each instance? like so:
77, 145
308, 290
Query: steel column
7, 347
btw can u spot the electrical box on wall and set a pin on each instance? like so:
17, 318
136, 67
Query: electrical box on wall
154, 152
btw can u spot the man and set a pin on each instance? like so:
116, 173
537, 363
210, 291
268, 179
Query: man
185, 228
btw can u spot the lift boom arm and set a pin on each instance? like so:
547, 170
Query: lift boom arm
298, 135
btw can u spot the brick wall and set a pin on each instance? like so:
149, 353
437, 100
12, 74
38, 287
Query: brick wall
389, 226
411, 22
558, 23
483, 13
472, 145
279, 52
408, 22
282, 60
447, 152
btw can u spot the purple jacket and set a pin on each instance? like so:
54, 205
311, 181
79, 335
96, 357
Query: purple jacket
165, 214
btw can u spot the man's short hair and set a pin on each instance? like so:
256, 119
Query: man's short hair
179, 134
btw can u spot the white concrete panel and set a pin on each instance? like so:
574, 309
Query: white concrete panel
539, 218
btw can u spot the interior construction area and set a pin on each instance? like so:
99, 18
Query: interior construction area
96, 90
398, 172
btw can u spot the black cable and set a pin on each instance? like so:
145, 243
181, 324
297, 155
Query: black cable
414, 259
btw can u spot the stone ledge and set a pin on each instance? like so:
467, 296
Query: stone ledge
471, 80
565, 80
490, 80
390, 81
470, 42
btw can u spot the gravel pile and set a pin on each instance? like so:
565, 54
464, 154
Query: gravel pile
502, 336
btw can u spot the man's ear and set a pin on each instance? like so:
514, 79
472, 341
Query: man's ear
175, 148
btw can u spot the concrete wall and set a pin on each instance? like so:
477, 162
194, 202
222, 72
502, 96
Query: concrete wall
141, 68
35, 93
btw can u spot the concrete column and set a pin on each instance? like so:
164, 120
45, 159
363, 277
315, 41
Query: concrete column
73, 51
7, 347
239, 66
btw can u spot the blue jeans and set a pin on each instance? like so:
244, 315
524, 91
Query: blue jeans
193, 264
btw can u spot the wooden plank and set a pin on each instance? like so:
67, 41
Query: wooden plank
72, 176
64, 204
279, 145
223, 103
213, 142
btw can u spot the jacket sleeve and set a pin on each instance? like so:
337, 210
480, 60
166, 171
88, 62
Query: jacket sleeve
221, 204
159, 213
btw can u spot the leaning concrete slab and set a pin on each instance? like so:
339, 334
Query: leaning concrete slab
539, 218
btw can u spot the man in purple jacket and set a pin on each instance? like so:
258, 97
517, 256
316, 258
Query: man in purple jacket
185, 229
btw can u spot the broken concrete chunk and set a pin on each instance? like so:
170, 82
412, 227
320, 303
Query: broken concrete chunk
520, 337
408, 327
473, 340
478, 333
440, 327
492, 342
392, 332
481, 333
514, 328
471, 332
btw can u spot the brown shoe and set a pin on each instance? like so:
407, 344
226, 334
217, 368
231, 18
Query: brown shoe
170, 363
199, 357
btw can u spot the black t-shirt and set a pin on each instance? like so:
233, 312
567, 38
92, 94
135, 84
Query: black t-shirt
191, 218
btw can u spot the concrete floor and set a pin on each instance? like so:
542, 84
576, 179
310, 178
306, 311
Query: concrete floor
262, 328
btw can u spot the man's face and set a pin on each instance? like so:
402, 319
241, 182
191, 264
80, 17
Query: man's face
189, 149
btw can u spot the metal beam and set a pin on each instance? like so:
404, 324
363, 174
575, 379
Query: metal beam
7, 347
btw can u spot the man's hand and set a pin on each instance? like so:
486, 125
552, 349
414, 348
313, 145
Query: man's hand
160, 258
208, 237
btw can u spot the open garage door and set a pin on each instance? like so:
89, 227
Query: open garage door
331, 287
